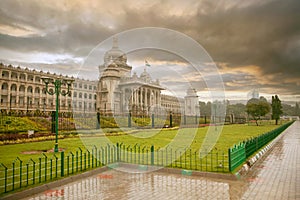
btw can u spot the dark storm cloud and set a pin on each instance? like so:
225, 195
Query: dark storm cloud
239, 33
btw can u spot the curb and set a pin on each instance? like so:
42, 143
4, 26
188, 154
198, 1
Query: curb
251, 162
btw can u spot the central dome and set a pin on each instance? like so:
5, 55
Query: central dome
115, 55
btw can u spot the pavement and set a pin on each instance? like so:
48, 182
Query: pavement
275, 176
278, 175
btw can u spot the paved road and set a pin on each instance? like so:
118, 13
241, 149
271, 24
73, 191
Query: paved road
277, 176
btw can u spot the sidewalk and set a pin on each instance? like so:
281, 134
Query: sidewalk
278, 175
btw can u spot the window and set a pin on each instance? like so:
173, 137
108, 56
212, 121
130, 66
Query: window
29, 89
13, 87
22, 77
80, 95
90, 96
4, 86
90, 87
5, 74
37, 79
75, 94
22, 88
37, 90
85, 95
30, 78
85, 86
80, 85
14, 75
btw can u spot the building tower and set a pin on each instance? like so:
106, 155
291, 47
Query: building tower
192, 107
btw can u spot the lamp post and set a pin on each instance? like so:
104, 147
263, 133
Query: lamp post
58, 83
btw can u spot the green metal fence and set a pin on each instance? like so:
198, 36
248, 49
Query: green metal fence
239, 153
50, 167
57, 165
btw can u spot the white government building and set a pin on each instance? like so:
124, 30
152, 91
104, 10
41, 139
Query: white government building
118, 91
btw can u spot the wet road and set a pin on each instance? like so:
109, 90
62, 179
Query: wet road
115, 184
276, 176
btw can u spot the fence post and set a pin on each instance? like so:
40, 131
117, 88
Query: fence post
98, 121
20, 171
80, 158
152, 155
118, 151
40, 170
56, 159
33, 171
229, 160
152, 125
62, 159
171, 120
45, 166
5, 177
129, 120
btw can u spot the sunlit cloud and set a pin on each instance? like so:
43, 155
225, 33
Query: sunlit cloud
253, 43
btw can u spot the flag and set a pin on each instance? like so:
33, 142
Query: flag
147, 64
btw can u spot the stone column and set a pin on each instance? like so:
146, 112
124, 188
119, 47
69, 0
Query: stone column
141, 97
146, 98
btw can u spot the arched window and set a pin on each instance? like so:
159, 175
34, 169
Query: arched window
37, 79
4, 86
30, 77
14, 75
22, 77
22, 88
29, 89
13, 87
5, 74
37, 90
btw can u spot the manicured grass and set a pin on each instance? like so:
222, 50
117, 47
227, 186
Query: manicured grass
231, 134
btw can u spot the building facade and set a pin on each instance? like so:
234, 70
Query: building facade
23, 90
118, 91
121, 91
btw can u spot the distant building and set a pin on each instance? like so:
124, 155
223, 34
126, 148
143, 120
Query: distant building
117, 91
23, 90
120, 91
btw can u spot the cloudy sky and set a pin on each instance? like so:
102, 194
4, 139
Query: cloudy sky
254, 44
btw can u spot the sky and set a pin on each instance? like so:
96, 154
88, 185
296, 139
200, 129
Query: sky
254, 44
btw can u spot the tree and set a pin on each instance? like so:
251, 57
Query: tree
276, 108
257, 108
297, 110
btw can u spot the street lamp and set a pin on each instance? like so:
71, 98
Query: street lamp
57, 84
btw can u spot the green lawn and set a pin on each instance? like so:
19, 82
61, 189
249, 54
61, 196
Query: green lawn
231, 134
